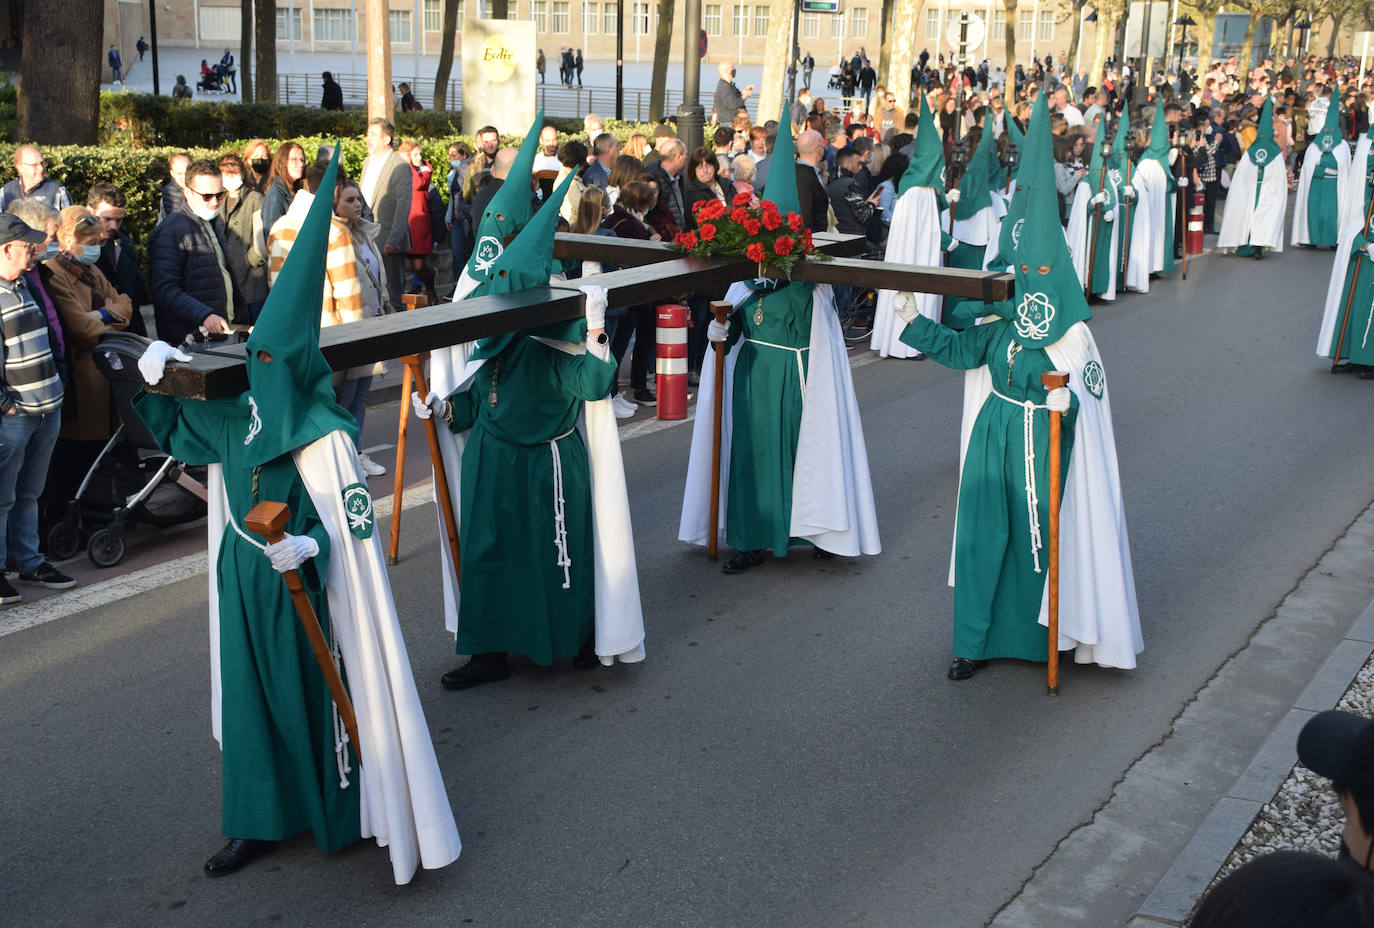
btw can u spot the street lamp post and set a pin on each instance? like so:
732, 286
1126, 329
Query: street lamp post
691, 118
1185, 21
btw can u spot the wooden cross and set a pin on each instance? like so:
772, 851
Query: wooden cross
652, 272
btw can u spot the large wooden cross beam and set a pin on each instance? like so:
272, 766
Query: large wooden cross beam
651, 273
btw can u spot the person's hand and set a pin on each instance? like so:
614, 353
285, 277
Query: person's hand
1098, 199
1058, 399
427, 407
953, 244
1182, 182
595, 306
717, 331
154, 360
953, 196
215, 324
291, 552
655, 237
1369, 250
390, 250
748, 89
1128, 192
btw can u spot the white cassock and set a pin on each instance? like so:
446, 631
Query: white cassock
1310, 161
1152, 183
1352, 223
832, 490
1140, 255
1252, 221
913, 238
982, 228
1079, 236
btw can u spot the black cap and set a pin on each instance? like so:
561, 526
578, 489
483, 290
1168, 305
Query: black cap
13, 229
1340, 746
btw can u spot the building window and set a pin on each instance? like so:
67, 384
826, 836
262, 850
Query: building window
740, 19
539, 12
932, 24
711, 19
641, 17
1046, 26
837, 25
859, 28
1025, 25
334, 25
610, 17
998, 32
560, 17
295, 32
590, 18
810, 27
400, 26
760, 21
434, 15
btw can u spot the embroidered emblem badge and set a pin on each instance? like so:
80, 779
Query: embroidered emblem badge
254, 422
488, 250
1033, 316
1094, 378
358, 504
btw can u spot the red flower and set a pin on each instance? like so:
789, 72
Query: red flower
794, 222
751, 227
697, 206
712, 210
739, 214
743, 199
806, 240
686, 239
771, 219
754, 252
783, 246
707, 231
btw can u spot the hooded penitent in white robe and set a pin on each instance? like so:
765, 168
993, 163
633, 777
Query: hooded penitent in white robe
1352, 224
1141, 239
1310, 162
913, 238
1255, 216
1152, 184
1080, 238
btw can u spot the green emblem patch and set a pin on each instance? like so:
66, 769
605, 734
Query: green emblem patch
358, 504
1094, 378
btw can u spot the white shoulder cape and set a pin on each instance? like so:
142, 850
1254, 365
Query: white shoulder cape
832, 490
403, 803
1247, 222
1352, 222
1080, 234
1310, 161
619, 613
913, 238
1098, 614
1152, 183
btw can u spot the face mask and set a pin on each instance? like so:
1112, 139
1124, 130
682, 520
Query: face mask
454, 162
260, 165
51, 249
90, 254
232, 182
205, 212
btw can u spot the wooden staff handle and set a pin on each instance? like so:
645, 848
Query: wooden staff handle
415, 369
409, 301
269, 520
1097, 227
721, 310
1052, 380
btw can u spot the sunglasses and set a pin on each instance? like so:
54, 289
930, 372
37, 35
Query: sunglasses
208, 197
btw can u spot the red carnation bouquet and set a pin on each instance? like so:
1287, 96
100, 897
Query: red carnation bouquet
748, 228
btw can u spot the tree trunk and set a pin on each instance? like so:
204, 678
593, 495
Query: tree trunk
903, 52
663, 41
60, 71
777, 52
1247, 45
380, 101
1119, 40
1206, 38
1102, 36
1335, 31
265, 12
1011, 46
884, 67
447, 40
246, 51
1075, 36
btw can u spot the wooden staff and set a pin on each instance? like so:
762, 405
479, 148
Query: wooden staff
721, 309
415, 371
1126, 233
411, 301
1097, 226
1052, 380
1354, 279
269, 520
1183, 220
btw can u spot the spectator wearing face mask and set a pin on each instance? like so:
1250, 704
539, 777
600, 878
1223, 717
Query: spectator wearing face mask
244, 238
118, 260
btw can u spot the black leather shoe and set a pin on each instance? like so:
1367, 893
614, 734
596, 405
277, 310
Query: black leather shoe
742, 561
481, 668
821, 554
961, 668
586, 658
236, 855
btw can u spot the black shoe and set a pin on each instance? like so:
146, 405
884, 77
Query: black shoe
586, 658
481, 668
236, 855
821, 554
694, 378
961, 668
742, 561
8, 594
1366, 374
46, 575
645, 397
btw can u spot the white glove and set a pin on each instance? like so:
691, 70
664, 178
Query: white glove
1369, 250
1128, 192
953, 244
291, 552
904, 305
424, 408
717, 331
154, 360
1182, 182
953, 196
1058, 399
596, 306
1109, 215
1098, 199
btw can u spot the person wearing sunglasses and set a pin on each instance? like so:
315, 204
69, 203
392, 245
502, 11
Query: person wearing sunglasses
192, 286
33, 181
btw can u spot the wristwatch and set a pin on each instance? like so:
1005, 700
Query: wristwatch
602, 339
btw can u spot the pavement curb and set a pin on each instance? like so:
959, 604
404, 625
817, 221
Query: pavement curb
1175, 895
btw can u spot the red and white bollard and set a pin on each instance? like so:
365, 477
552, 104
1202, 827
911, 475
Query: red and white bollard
1193, 240
672, 361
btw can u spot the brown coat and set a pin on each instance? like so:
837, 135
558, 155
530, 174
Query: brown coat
77, 292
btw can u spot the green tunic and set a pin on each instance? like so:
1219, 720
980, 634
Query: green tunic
1101, 280
1355, 346
767, 411
968, 256
280, 771
997, 589
514, 594
1322, 203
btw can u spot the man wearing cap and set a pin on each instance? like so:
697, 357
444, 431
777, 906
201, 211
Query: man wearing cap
30, 412
1340, 746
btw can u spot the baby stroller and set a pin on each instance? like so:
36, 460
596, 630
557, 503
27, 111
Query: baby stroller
212, 81
834, 82
131, 481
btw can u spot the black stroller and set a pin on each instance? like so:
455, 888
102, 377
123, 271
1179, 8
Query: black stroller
212, 81
131, 481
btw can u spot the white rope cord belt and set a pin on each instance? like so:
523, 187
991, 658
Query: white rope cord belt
341, 761
801, 363
560, 523
1032, 497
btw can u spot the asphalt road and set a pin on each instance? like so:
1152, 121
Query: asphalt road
791, 753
